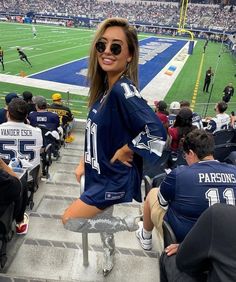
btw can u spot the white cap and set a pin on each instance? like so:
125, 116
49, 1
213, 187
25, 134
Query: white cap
175, 106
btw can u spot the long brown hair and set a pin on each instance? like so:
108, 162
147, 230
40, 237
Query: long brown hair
96, 75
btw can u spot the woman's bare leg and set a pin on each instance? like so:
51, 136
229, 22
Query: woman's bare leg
78, 209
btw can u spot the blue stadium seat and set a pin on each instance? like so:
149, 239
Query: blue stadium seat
225, 143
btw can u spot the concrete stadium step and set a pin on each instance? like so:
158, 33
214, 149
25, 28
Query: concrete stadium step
49, 252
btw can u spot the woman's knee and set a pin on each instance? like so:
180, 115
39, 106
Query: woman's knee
79, 209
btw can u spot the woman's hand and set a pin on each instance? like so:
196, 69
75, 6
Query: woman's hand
79, 171
124, 155
171, 249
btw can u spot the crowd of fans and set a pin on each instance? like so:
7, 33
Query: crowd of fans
29, 127
156, 13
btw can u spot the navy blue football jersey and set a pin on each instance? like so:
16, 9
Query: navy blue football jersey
3, 115
188, 190
171, 119
196, 120
46, 119
121, 117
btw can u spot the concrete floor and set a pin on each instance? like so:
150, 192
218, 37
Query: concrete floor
51, 253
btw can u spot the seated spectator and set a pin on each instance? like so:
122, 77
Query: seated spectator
17, 139
188, 190
208, 252
12, 191
221, 121
64, 113
28, 96
3, 111
182, 126
42, 117
196, 119
162, 113
173, 111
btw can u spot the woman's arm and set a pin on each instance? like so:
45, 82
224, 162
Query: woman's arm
6, 168
79, 171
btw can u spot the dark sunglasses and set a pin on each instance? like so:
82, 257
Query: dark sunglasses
115, 48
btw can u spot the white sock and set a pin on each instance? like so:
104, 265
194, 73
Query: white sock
146, 234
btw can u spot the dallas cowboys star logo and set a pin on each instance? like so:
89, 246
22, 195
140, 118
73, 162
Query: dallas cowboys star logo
149, 142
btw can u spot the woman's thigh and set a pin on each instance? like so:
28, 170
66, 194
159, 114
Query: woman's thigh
79, 209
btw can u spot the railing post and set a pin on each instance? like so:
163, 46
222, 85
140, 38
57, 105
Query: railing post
85, 249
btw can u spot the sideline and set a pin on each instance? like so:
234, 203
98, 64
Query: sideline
196, 87
49, 85
159, 86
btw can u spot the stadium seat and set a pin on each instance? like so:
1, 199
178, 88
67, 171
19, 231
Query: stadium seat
33, 185
6, 232
231, 158
176, 158
225, 143
51, 148
149, 183
49, 138
168, 234
154, 168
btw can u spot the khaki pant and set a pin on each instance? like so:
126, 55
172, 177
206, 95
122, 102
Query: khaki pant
157, 212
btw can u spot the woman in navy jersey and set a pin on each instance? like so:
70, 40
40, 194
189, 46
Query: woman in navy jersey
121, 128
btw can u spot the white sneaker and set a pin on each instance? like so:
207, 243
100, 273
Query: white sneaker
146, 244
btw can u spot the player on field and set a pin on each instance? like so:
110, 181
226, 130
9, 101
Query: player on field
23, 56
1, 58
34, 31
121, 129
188, 190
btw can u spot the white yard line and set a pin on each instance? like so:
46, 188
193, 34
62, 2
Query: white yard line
43, 84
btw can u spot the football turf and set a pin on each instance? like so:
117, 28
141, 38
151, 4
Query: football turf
58, 45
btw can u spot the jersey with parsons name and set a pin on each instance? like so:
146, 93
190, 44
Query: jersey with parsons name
121, 117
188, 191
20, 140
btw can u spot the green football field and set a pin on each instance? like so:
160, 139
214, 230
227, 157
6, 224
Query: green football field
58, 45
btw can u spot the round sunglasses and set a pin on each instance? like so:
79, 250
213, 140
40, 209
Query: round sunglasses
115, 48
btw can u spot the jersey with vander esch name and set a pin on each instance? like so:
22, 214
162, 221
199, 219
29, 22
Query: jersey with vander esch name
20, 140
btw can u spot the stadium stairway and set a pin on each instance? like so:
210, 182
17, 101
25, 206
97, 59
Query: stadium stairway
48, 252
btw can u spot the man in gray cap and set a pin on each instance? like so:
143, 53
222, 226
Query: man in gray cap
42, 117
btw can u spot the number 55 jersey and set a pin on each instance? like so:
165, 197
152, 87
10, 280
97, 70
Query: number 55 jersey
20, 140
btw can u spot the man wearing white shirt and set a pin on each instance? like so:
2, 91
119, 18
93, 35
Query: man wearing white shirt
17, 139
221, 121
